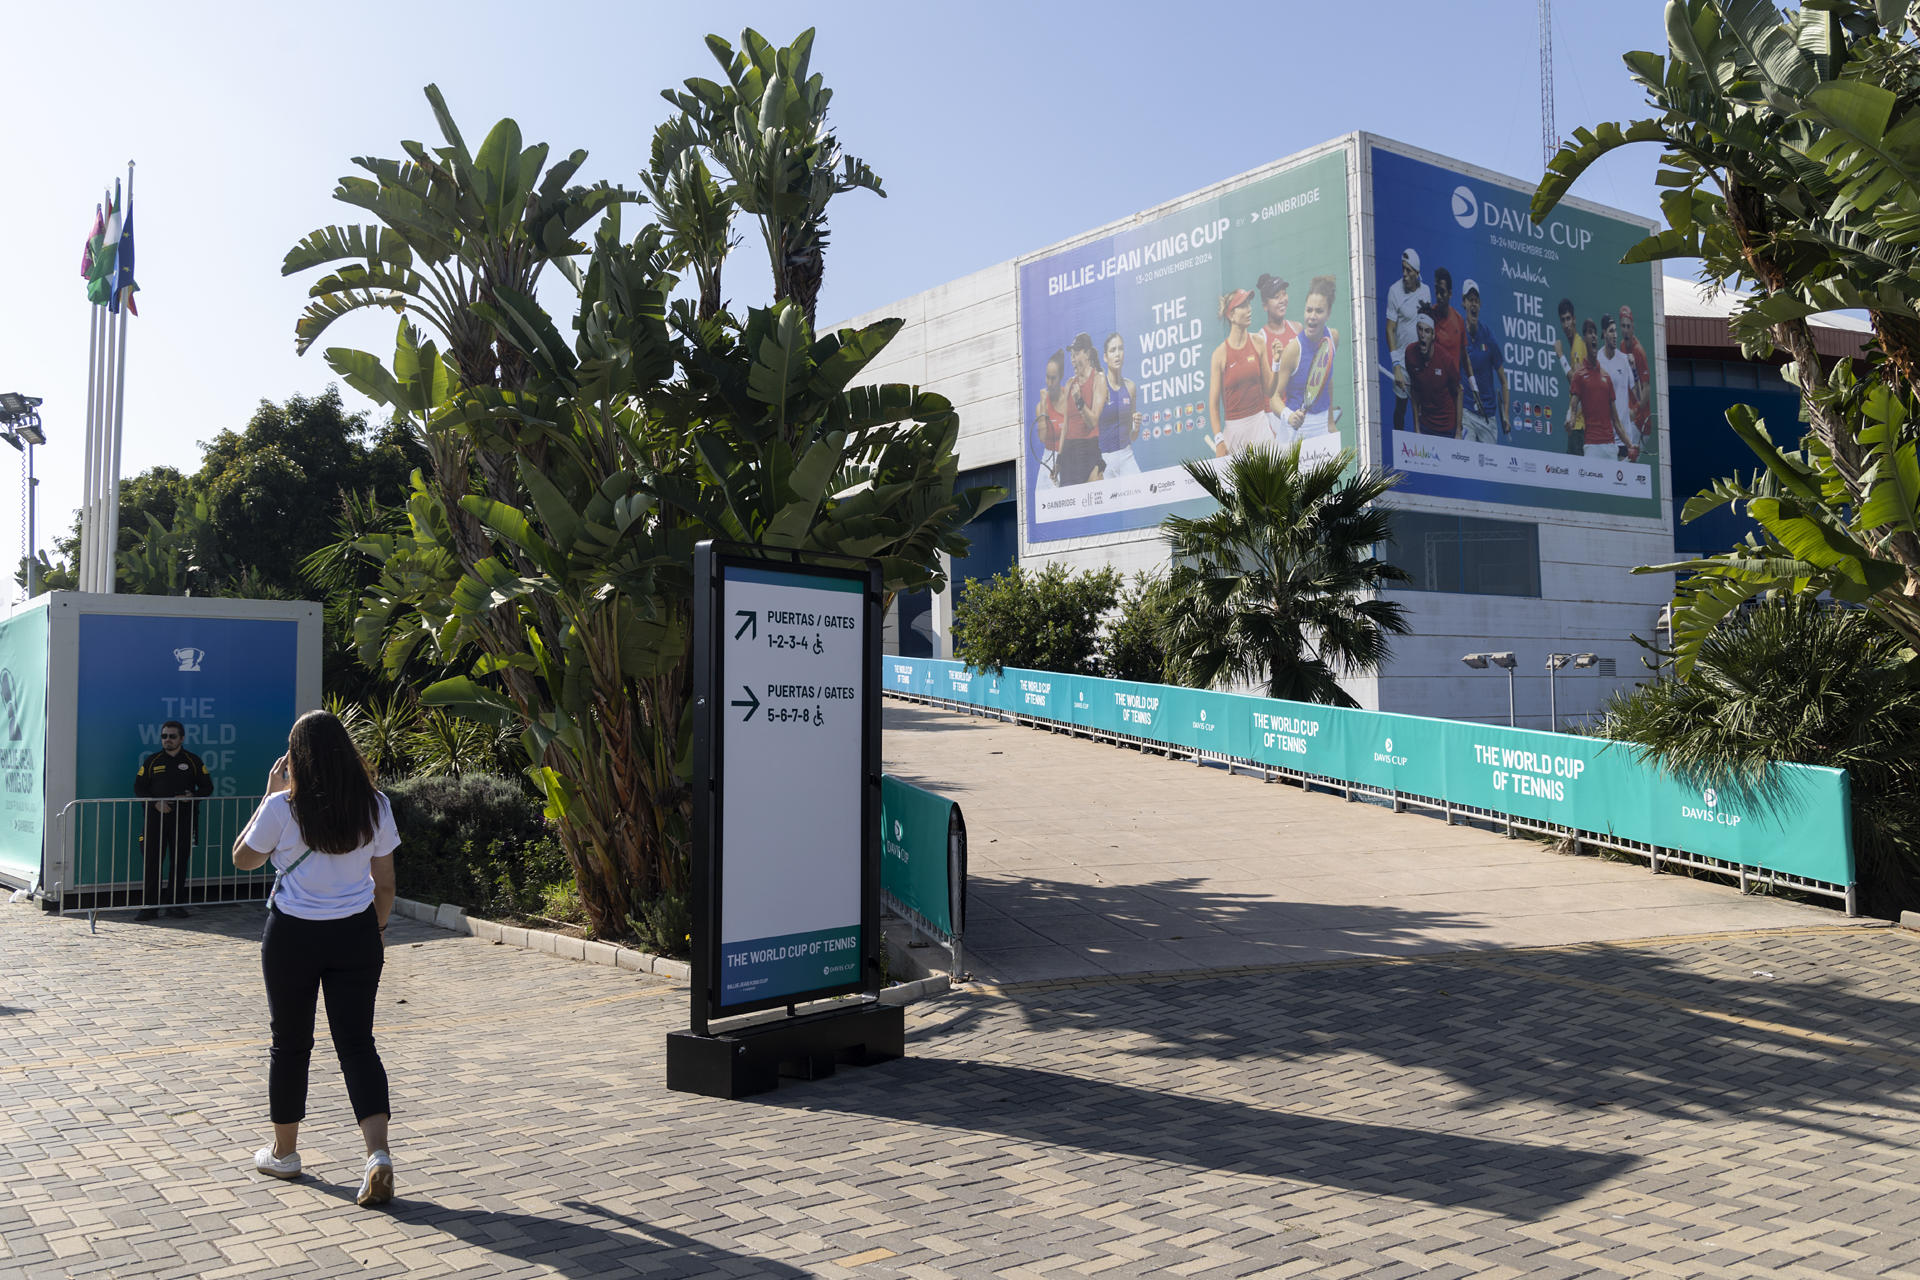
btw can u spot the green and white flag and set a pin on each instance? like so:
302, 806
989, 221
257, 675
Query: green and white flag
105, 252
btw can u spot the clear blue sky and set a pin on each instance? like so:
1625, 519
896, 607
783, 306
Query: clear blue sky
998, 128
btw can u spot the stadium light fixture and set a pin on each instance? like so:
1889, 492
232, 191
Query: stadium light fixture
1503, 660
1555, 661
20, 427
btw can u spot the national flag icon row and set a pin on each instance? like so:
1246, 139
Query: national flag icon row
1167, 422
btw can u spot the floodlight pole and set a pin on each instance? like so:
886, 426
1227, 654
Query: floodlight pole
33, 554
1510, 719
1554, 662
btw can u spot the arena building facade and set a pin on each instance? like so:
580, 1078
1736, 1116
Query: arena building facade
1519, 522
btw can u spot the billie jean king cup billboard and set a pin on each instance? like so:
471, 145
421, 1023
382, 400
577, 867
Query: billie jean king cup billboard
1515, 361
1199, 334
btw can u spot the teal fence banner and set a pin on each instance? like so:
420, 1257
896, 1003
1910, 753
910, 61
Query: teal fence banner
23, 741
923, 852
1795, 820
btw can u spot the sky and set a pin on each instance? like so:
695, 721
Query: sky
997, 128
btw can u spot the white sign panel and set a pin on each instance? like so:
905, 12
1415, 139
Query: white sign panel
790, 692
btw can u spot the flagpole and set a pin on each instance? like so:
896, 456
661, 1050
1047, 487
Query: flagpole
88, 536
103, 550
119, 415
95, 516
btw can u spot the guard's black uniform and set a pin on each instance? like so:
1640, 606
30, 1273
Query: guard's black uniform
164, 777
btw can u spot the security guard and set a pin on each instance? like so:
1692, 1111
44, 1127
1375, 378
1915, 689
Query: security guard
165, 777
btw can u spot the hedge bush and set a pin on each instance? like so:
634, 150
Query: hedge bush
479, 841
1045, 620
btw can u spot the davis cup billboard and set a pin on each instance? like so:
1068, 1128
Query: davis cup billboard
1194, 335
1515, 361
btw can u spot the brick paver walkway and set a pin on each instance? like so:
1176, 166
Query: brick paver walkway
1090, 860
1727, 1105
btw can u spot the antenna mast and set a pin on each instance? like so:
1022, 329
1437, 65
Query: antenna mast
1549, 136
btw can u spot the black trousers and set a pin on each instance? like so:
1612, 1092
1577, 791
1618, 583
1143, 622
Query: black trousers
169, 836
301, 959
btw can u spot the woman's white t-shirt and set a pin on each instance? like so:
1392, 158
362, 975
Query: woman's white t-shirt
324, 886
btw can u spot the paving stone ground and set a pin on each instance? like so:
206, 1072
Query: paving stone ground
1728, 1105
1087, 859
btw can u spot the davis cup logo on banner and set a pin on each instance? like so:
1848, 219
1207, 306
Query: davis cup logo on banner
1385, 755
10, 699
1466, 208
189, 658
1712, 812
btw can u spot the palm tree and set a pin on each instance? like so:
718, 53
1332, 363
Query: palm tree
1790, 679
1277, 586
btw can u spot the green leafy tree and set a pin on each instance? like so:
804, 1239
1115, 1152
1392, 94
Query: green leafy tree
276, 490
1791, 680
263, 499
165, 561
1790, 158
452, 228
1045, 620
156, 492
766, 130
1134, 644
547, 550
1278, 587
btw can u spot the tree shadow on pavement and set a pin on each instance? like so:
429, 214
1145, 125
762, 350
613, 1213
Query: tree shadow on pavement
1055, 1110
1026, 929
1799, 1026
577, 1245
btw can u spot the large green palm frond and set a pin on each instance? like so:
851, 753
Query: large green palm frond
452, 229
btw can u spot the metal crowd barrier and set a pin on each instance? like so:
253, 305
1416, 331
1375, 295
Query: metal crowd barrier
1657, 857
125, 854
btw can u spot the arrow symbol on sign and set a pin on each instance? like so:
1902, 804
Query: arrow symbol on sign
752, 623
752, 704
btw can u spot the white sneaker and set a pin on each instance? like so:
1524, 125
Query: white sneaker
286, 1166
376, 1184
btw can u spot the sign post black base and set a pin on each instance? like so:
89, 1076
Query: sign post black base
734, 1064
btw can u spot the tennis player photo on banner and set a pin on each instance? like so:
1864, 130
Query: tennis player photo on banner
1515, 361
1196, 334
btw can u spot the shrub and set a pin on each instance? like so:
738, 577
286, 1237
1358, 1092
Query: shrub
1045, 621
1134, 646
664, 925
479, 841
1789, 680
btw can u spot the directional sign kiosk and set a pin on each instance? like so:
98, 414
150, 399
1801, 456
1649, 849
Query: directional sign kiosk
786, 820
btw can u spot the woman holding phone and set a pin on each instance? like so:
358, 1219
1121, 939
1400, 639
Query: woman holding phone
329, 833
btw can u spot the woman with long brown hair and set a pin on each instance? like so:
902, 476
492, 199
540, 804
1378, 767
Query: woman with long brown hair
1050, 417
329, 833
